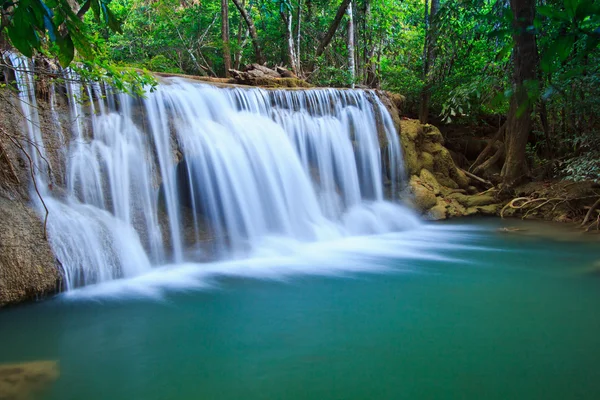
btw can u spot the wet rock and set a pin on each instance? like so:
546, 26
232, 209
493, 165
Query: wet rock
472, 200
28, 269
26, 380
424, 196
438, 212
429, 180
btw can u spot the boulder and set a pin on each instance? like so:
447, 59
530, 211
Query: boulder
472, 200
28, 269
423, 196
438, 212
432, 134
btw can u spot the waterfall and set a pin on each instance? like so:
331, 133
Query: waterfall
193, 171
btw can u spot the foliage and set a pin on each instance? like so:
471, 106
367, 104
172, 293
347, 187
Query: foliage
470, 78
53, 29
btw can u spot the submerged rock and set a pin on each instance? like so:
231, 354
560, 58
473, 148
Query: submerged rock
23, 381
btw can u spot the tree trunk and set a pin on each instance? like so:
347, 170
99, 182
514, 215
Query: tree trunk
519, 114
351, 65
332, 28
428, 59
242, 37
286, 16
252, 30
298, 38
225, 35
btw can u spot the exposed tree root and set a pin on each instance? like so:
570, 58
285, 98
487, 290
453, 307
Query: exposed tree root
590, 212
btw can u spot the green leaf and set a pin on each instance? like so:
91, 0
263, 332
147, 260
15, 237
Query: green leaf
15, 34
553, 13
113, 21
571, 7
559, 50
96, 9
506, 50
67, 51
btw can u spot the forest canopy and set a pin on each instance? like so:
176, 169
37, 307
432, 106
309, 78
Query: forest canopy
530, 68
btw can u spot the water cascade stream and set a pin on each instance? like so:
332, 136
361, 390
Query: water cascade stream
193, 170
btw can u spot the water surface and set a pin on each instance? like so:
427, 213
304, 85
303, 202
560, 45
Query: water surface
444, 312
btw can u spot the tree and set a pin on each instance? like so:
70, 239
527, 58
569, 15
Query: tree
285, 11
525, 60
332, 28
351, 66
225, 35
252, 29
428, 58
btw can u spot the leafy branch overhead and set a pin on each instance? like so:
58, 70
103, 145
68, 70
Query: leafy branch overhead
54, 26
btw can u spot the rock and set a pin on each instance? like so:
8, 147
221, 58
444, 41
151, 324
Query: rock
438, 212
433, 134
285, 73
444, 180
429, 180
472, 200
426, 161
455, 209
23, 381
423, 196
28, 269
490, 209
434, 148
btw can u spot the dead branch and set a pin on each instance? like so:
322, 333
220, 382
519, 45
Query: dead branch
473, 176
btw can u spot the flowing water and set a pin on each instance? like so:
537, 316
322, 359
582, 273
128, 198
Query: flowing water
192, 172
441, 312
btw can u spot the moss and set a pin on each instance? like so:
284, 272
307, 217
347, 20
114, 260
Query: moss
423, 195
426, 160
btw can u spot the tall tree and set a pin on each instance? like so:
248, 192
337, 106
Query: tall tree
252, 29
298, 37
286, 15
351, 65
332, 28
225, 35
428, 58
525, 60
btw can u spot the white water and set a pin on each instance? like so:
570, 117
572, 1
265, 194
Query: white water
193, 170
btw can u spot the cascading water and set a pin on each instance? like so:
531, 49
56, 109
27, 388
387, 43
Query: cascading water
151, 181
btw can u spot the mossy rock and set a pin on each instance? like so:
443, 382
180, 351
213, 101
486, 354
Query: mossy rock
429, 180
490, 209
426, 160
444, 180
423, 196
438, 212
432, 134
455, 209
473, 200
